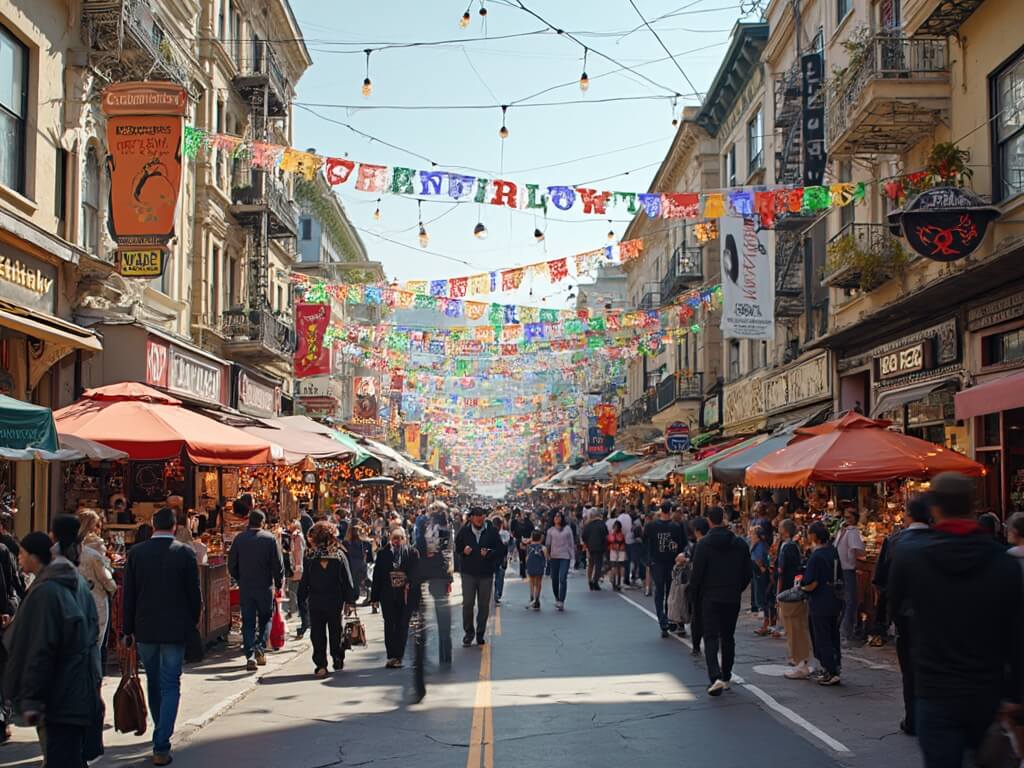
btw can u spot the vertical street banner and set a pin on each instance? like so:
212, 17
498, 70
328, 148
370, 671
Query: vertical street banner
144, 127
312, 357
365, 404
412, 440
607, 417
812, 115
748, 291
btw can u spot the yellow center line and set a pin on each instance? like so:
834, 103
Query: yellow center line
497, 621
481, 732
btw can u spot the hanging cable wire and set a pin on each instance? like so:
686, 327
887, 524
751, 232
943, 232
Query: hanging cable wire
662, 44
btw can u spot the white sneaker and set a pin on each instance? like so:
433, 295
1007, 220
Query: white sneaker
800, 672
716, 688
560, 606
726, 684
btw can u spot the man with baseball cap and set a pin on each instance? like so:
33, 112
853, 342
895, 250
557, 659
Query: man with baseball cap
479, 547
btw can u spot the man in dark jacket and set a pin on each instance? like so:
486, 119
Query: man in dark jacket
965, 592
162, 603
52, 675
254, 561
480, 548
595, 541
393, 575
665, 542
721, 571
326, 587
522, 528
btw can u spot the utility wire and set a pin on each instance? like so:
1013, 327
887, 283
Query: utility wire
662, 44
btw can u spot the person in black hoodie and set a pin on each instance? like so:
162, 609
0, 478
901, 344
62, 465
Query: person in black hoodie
964, 667
665, 543
595, 541
326, 588
721, 571
479, 546
393, 574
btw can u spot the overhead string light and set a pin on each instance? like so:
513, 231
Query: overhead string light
466, 18
675, 106
424, 237
503, 131
483, 10
367, 85
480, 231
584, 80
611, 233
376, 213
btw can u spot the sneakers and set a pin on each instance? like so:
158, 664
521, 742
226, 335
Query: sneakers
560, 605
321, 672
536, 605
250, 665
481, 640
664, 633
727, 684
497, 601
828, 679
716, 688
467, 641
800, 672
261, 658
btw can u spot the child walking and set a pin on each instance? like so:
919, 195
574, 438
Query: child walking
536, 563
617, 554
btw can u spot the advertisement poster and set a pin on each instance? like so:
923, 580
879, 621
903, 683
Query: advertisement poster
312, 358
607, 418
144, 128
599, 444
364, 406
412, 440
748, 292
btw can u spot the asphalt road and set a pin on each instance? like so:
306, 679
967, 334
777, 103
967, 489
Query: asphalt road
594, 686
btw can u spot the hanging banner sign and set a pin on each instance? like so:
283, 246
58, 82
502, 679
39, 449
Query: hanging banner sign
599, 444
945, 223
748, 292
312, 356
813, 118
145, 121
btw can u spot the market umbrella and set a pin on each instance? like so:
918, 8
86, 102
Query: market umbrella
700, 472
28, 433
150, 426
855, 450
307, 424
732, 469
90, 449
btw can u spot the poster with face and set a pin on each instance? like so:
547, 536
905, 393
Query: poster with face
364, 408
748, 290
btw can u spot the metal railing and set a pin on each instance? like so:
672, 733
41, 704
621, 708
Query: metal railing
650, 300
257, 60
873, 239
674, 388
883, 57
634, 413
117, 27
259, 188
259, 325
686, 266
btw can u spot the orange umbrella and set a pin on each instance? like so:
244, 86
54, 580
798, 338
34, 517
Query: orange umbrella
855, 450
150, 425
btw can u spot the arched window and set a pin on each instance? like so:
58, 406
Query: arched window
91, 201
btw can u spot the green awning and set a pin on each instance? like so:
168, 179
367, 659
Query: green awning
699, 473
25, 428
620, 456
361, 454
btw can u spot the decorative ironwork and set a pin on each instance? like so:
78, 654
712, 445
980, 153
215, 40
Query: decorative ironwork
686, 266
257, 333
260, 77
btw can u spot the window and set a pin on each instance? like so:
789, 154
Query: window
755, 141
280, 298
13, 110
220, 19
730, 166
227, 281
1009, 129
1006, 347
734, 359
60, 192
846, 212
236, 36
91, 202
843, 7
307, 228
214, 266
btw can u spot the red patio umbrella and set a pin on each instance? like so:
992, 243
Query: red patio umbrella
855, 450
149, 425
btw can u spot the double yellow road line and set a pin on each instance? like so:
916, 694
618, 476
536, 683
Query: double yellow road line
481, 733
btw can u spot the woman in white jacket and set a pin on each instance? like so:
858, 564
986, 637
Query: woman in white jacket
95, 569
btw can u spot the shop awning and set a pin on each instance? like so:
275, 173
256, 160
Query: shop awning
638, 468
90, 449
298, 445
732, 469
890, 401
27, 433
397, 462
150, 426
700, 472
662, 469
1003, 394
47, 327
306, 424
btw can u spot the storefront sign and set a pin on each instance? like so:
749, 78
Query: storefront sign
711, 412
900, 362
27, 281
748, 291
805, 382
995, 312
148, 262
744, 400
317, 386
144, 128
157, 352
945, 223
599, 444
812, 105
677, 437
256, 397
192, 375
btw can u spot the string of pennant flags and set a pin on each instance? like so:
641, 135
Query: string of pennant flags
767, 203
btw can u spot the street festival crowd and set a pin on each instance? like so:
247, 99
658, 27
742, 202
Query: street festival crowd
952, 587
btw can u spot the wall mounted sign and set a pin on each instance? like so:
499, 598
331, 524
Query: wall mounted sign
748, 291
711, 412
144, 128
192, 375
812, 118
27, 281
256, 397
599, 444
157, 352
803, 383
900, 362
945, 223
677, 437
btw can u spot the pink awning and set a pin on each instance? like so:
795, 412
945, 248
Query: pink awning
1002, 394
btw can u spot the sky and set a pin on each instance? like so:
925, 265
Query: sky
617, 144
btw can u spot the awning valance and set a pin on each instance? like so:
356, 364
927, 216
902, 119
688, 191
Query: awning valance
890, 401
700, 473
47, 327
1003, 394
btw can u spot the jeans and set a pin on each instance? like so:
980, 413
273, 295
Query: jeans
661, 573
442, 607
322, 623
595, 562
559, 578
62, 744
476, 589
948, 728
162, 662
719, 627
628, 564
637, 569
759, 585
257, 612
499, 582
825, 638
521, 546
903, 648
852, 604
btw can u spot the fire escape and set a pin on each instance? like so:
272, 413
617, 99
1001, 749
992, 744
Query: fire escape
263, 205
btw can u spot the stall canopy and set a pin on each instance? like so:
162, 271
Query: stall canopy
306, 424
150, 425
28, 433
297, 444
660, 471
732, 469
606, 468
90, 449
855, 450
396, 461
700, 472
1003, 394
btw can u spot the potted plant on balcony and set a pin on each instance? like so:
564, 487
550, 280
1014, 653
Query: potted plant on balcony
947, 165
853, 263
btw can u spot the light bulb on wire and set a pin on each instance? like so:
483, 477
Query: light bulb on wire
483, 11
424, 237
584, 80
538, 235
611, 233
376, 213
503, 131
480, 231
466, 18
367, 85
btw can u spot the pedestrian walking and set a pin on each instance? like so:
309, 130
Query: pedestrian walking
434, 567
254, 561
536, 564
52, 675
823, 579
479, 546
699, 528
595, 540
162, 604
626, 522
721, 571
326, 586
966, 666
295, 558
795, 619
560, 545
393, 574
522, 530
665, 544
759, 559
94, 565
10, 599
850, 546
359, 552
617, 555
501, 563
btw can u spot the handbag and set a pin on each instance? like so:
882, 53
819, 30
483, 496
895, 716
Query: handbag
129, 701
355, 631
195, 648
277, 628
792, 595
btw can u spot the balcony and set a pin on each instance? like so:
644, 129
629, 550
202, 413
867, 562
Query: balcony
684, 269
255, 192
257, 335
126, 43
893, 94
260, 78
674, 389
651, 298
936, 17
789, 274
862, 257
635, 413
